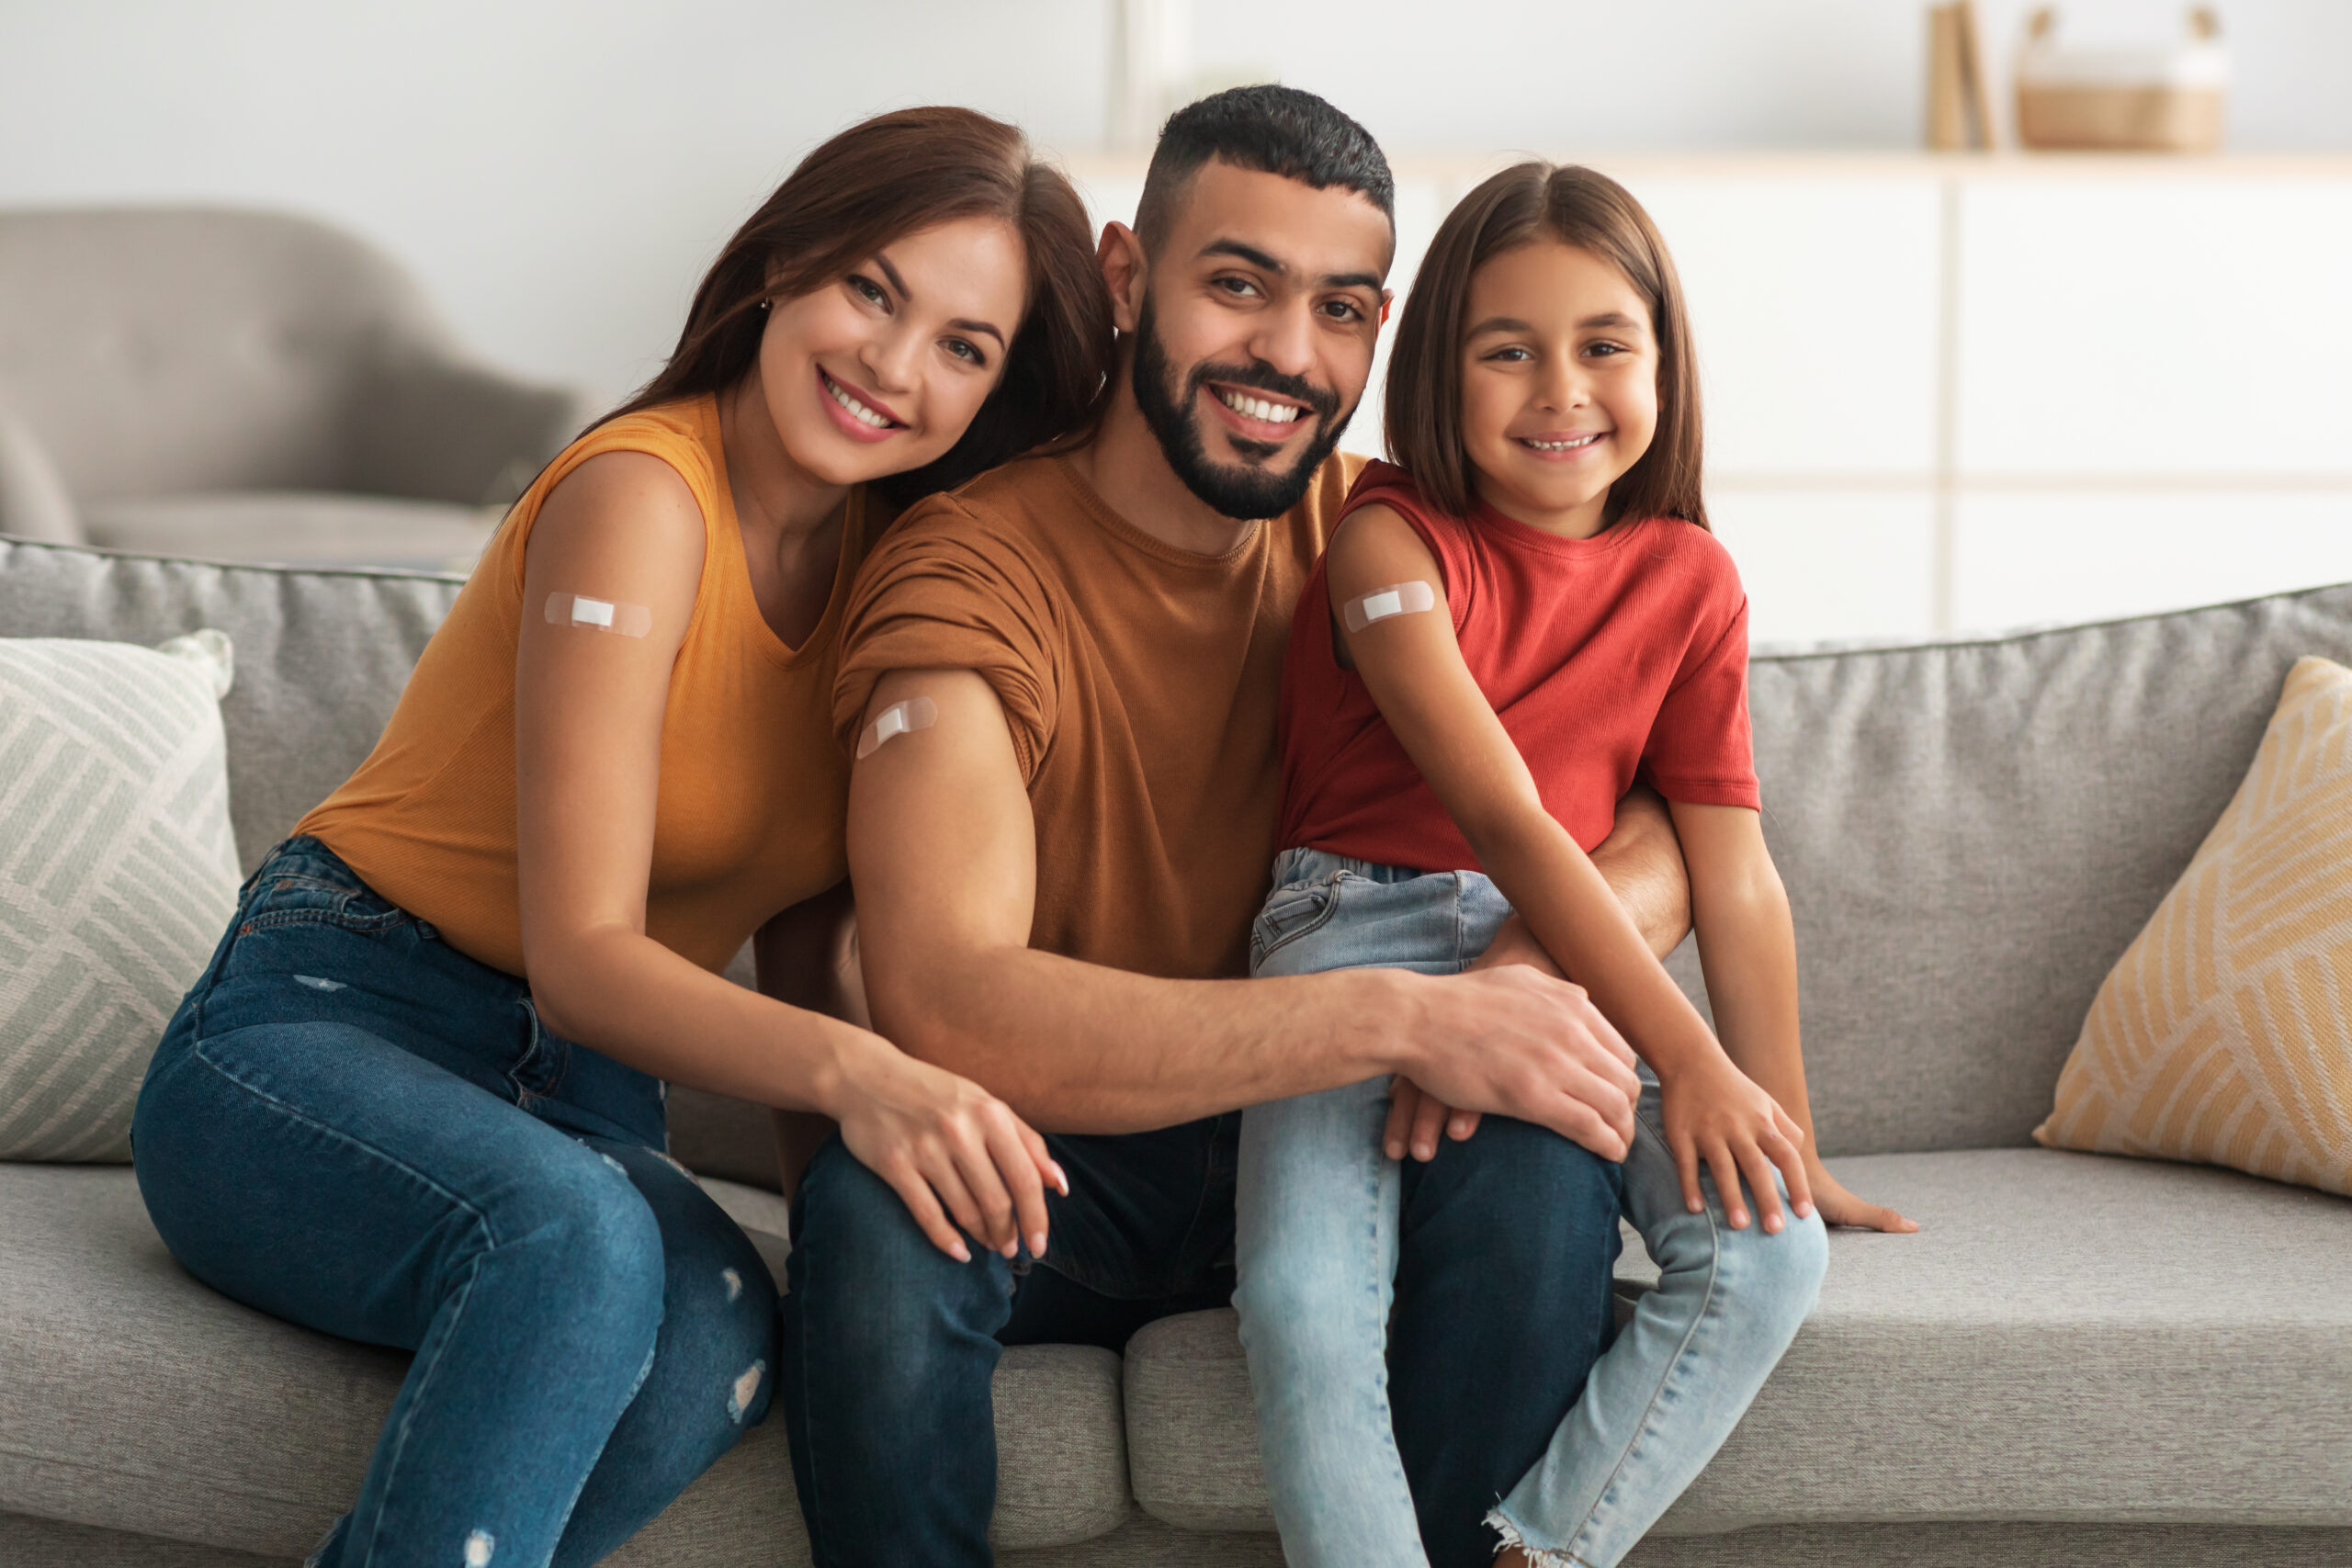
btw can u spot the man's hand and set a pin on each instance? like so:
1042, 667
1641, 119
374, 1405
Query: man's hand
1414, 1115
1589, 1098
1642, 860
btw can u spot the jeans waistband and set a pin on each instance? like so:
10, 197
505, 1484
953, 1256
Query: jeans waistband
452, 1011
1294, 866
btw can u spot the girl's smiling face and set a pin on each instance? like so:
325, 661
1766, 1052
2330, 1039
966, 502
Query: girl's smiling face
1559, 385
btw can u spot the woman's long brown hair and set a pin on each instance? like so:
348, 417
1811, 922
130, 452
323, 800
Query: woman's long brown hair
1592, 212
876, 182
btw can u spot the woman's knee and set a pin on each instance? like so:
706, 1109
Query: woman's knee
718, 1348
576, 1221
716, 1357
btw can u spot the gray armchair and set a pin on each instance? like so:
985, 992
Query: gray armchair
246, 386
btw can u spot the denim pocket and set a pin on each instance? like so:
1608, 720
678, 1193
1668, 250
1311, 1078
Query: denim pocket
299, 897
1290, 913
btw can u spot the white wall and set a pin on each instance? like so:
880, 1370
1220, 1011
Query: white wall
559, 173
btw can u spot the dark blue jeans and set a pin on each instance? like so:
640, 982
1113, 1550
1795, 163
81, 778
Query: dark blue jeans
356, 1127
890, 1345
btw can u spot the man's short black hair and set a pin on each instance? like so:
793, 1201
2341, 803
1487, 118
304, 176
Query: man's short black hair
1272, 130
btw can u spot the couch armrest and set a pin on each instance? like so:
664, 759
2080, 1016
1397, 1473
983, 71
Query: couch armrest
438, 429
34, 502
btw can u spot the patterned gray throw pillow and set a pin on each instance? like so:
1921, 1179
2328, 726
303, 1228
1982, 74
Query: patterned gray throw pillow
117, 874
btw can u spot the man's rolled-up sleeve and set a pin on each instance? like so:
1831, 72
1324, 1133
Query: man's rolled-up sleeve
938, 593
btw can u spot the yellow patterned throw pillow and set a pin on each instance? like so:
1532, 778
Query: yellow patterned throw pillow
2224, 1035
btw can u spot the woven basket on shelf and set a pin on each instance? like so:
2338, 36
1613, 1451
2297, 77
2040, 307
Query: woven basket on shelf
2164, 99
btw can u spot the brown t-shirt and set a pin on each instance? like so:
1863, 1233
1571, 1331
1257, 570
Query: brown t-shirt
1141, 682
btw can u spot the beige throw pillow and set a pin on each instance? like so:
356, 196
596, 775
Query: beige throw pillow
2224, 1035
117, 874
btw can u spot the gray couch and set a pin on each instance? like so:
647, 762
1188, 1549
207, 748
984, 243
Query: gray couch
247, 386
2081, 1360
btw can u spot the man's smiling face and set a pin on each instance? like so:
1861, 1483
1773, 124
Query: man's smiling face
1255, 333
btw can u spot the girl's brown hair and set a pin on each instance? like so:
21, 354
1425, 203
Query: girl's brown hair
1575, 207
875, 182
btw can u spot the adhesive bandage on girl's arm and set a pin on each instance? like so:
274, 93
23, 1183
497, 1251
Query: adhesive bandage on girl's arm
598, 615
915, 713
1397, 599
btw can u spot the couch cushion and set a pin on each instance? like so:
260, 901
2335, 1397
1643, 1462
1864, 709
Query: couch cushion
2068, 1338
118, 873
1972, 833
297, 528
321, 656
2225, 1034
134, 1398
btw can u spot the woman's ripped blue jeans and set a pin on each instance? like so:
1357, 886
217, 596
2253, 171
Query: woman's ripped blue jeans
353, 1126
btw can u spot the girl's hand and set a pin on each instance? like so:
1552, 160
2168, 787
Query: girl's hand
947, 1148
1716, 1112
1415, 1117
1839, 1207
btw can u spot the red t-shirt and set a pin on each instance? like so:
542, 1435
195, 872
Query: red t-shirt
1606, 659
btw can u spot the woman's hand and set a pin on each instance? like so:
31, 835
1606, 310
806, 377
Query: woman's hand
1839, 1207
949, 1148
1716, 1112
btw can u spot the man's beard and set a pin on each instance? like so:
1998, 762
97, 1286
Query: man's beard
1248, 493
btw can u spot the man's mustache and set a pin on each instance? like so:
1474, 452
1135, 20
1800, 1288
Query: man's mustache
1260, 377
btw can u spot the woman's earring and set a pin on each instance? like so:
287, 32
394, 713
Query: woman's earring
763, 304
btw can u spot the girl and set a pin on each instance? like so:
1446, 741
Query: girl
416, 1097
1507, 633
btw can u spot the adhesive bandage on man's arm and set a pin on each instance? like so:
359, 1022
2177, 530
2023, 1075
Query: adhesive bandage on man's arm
915, 713
598, 615
1397, 599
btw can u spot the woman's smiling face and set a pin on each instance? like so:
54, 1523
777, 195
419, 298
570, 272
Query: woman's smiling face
881, 372
1559, 384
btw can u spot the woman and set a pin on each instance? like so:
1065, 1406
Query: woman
417, 1097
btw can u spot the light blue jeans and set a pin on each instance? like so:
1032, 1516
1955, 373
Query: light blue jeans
1316, 1250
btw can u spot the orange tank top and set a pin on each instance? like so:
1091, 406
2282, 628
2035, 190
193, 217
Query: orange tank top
753, 793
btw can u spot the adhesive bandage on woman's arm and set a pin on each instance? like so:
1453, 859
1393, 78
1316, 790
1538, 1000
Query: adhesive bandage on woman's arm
598, 615
1397, 599
915, 713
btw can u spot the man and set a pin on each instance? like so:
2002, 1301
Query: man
1057, 877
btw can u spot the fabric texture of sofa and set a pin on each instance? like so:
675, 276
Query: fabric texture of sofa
2080, 1359
247, 386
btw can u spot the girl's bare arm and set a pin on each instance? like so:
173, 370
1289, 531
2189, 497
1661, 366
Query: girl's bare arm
1748, 947
1414, 669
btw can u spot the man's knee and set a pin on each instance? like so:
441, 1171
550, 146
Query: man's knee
1516, 1194
865, 1276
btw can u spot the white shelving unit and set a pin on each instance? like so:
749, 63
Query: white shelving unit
1971, 391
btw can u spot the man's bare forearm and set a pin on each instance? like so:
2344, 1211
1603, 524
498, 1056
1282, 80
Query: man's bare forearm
1642, 861
1088, 1049
1076, 1047
942, 842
